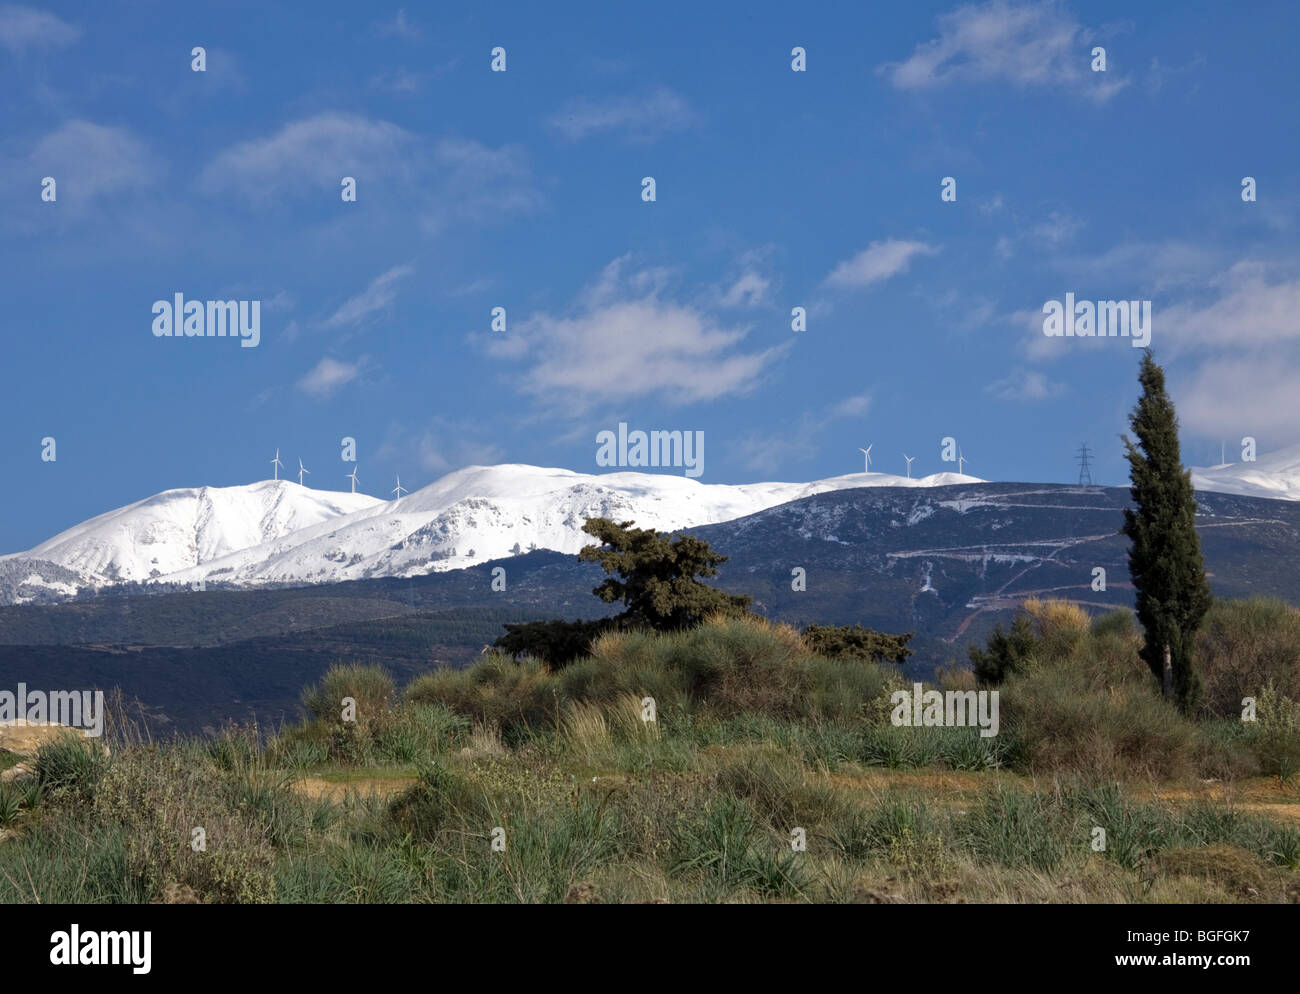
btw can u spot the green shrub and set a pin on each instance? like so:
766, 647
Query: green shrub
1007, 653
1243, 645
495, 691
555, 643
1277, 743
1062, 721
161, 796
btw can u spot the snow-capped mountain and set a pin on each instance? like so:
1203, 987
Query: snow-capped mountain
1276, 475
176, 529
279, 532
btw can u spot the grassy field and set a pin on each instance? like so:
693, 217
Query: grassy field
769, 773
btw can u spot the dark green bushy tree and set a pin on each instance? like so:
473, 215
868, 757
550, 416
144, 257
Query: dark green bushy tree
556, 643
657, 576
856, 642
1164, 558
658, 588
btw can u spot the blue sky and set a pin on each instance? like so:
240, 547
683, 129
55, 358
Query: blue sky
522, 189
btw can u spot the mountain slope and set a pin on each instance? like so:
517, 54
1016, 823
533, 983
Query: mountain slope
946, 563
280, 533
177, 529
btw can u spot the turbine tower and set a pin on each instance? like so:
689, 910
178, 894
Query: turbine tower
399, 489
909, 464
867, 453
302, 469
961, 460
276, 465
353, 477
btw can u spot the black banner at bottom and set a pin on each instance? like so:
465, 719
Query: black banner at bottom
907, 944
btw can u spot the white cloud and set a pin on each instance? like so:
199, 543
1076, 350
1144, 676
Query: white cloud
750, 290
1058, 229
1253, 307
399, 26
442, 445
1024, 385
378, 296
311, 154
769, 451
851, 407
328, 375
26, 27
1230, 338
641, 118
1026, 44
436, 181
399, 80
624, 340
1155, 266
878, 261
1236, 351
478, 182
92, 161
1250, 395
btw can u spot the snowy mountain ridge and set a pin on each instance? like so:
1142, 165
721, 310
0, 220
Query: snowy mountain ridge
283, 533
278, 532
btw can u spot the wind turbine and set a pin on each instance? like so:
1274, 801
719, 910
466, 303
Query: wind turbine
302, 469
909, 464
353, 477
399, 489
961, 459
867, 452
276, 465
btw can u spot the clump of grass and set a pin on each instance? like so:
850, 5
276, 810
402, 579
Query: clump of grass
71, 767
889, 828
724, 844
1236, 870
11, 804
1133, 831
1019, 828
779, 788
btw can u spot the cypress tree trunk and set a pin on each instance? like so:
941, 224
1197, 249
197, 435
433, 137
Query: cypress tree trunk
1167, 677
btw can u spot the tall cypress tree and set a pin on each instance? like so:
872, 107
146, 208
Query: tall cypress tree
1164, 557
